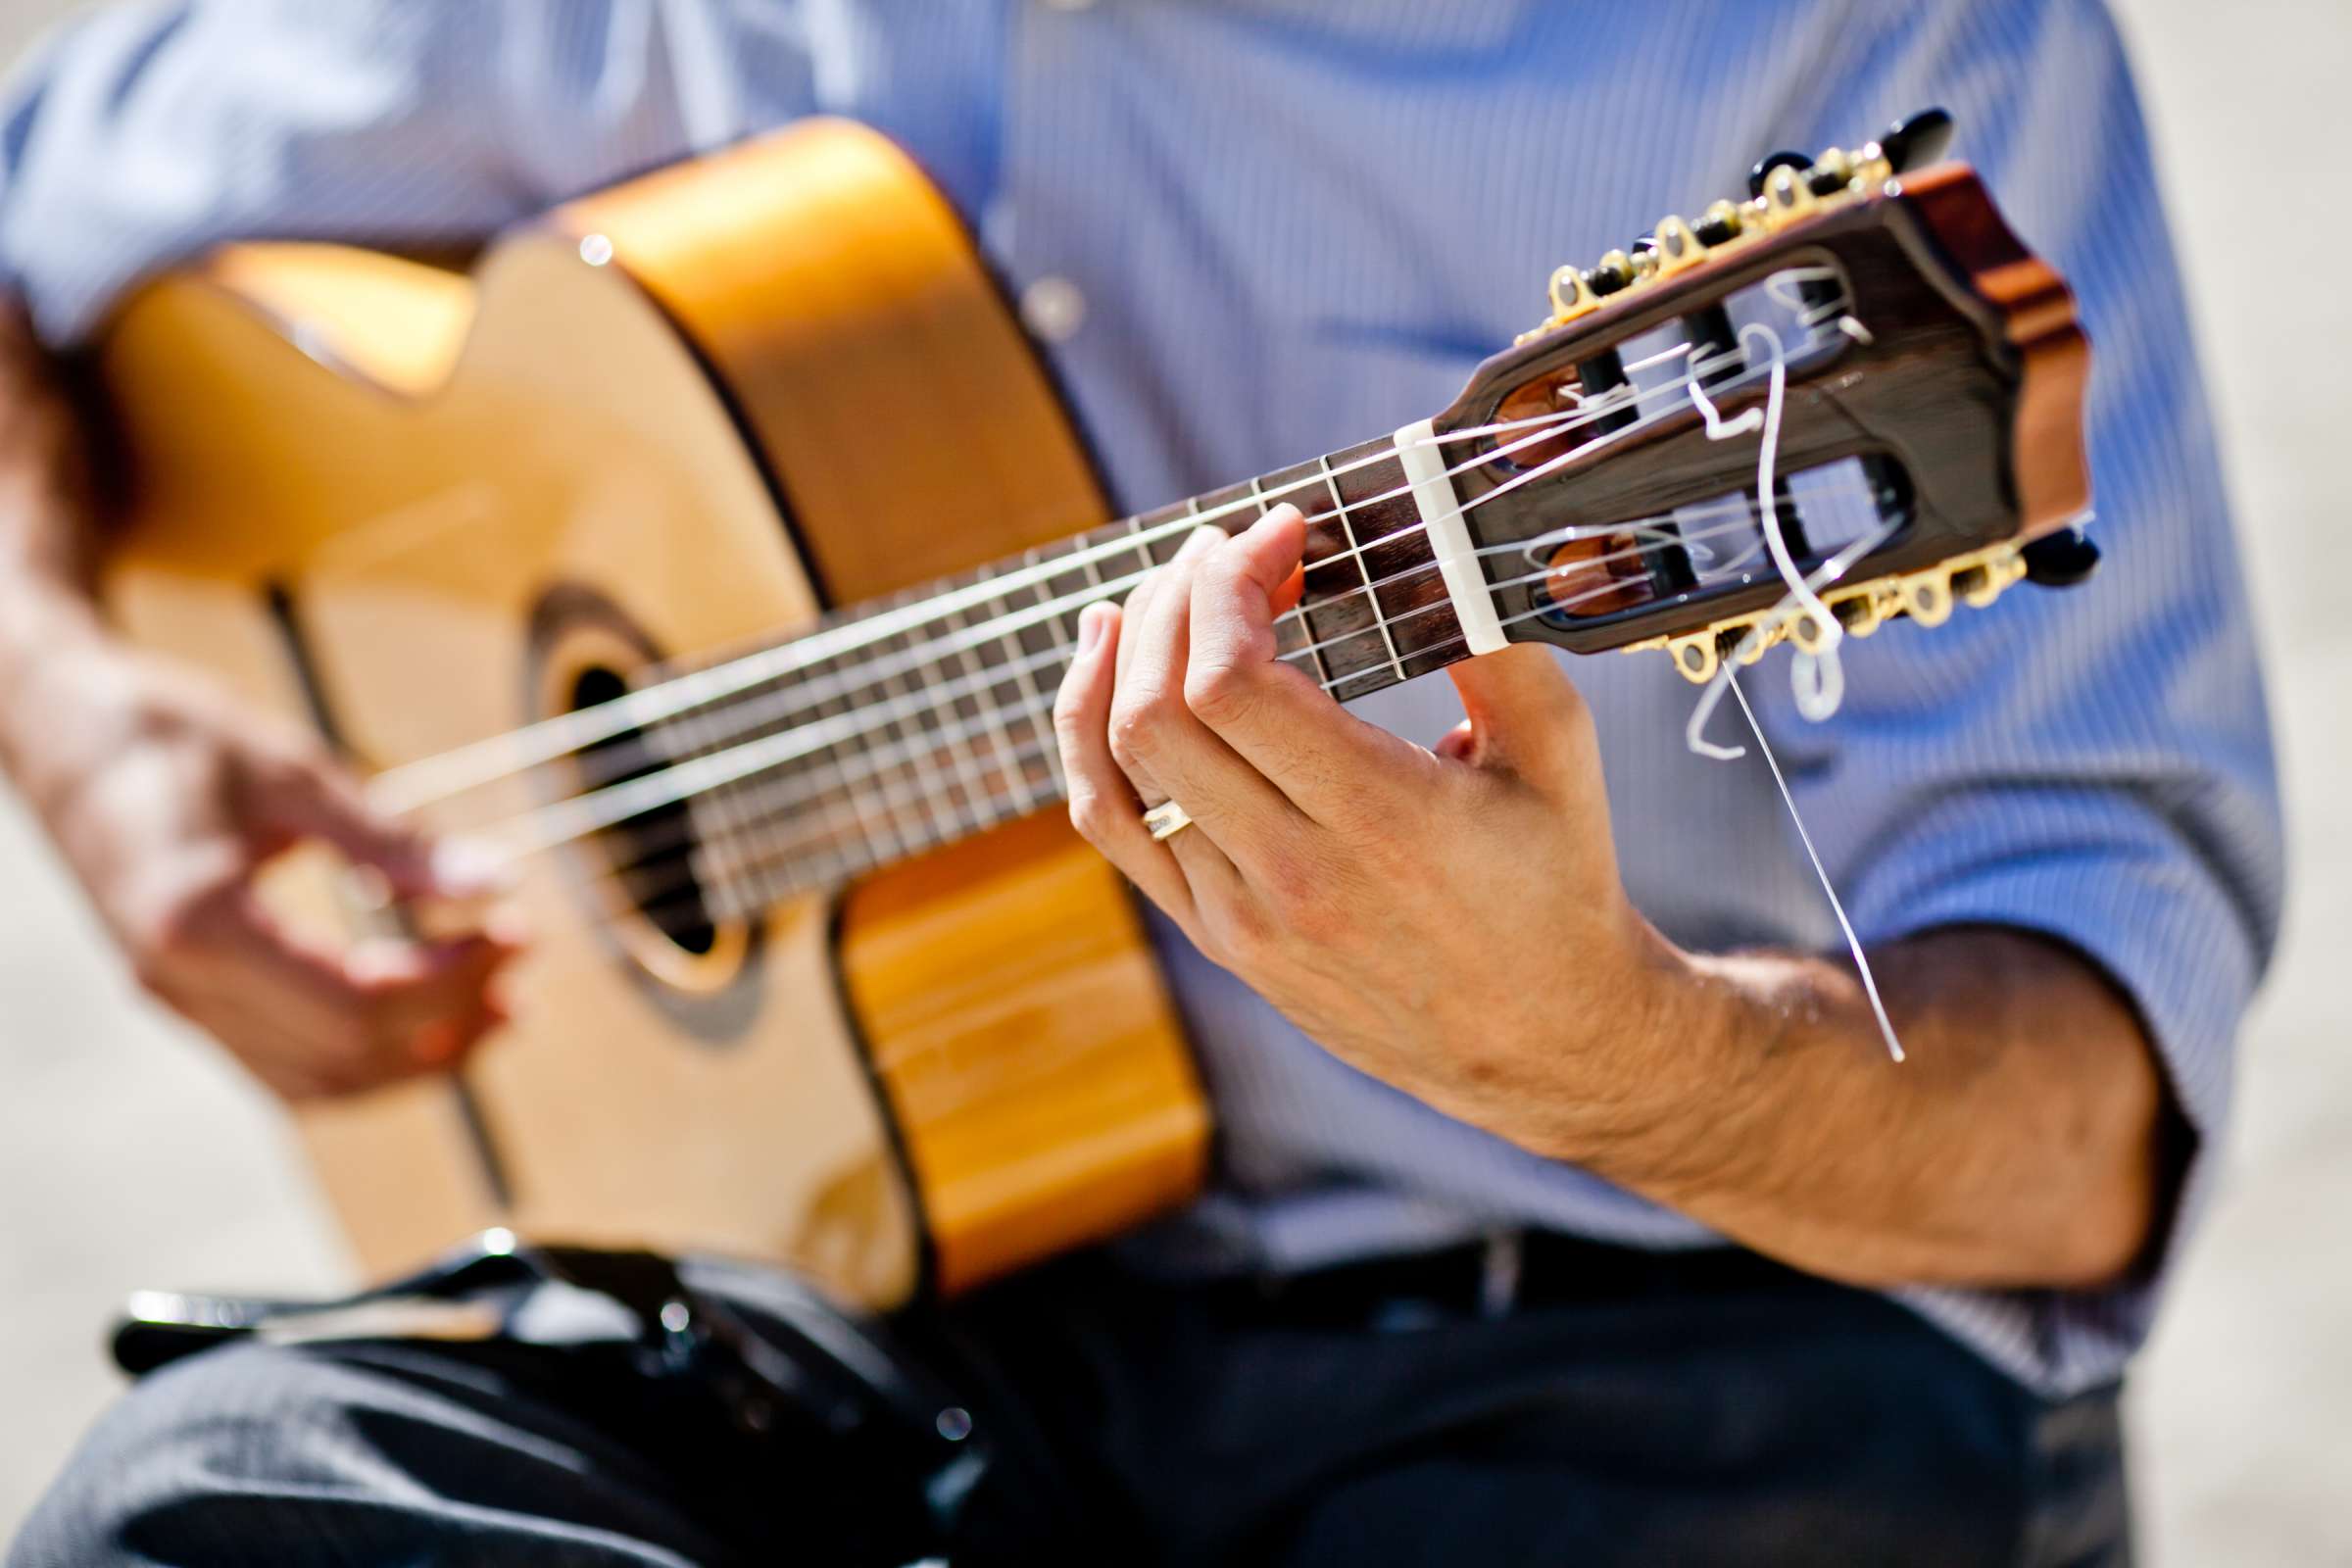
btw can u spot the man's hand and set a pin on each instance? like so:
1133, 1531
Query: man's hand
1453, 922
166, 798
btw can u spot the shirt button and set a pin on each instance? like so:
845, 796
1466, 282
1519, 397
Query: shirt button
1052, 309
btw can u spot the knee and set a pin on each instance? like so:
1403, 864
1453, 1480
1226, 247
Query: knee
162, 1472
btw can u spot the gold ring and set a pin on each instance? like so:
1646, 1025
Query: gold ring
1166, 821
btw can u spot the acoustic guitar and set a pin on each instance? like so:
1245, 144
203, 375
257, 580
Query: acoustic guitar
617, 551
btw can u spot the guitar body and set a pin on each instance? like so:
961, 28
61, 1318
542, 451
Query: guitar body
418, 509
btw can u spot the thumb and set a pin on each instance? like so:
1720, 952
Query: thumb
1525, 716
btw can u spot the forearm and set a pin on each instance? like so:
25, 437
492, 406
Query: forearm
2022, 1143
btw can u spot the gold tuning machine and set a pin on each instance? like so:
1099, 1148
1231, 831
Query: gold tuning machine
1783, 188
1927, 596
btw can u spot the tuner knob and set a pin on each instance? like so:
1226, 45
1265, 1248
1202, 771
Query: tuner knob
1765, 165
1643, 253
1829, 173
2061, 560
1917, 142
1612, 272
1718, 224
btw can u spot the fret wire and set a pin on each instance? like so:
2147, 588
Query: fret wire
711, 822
1062, 601
1191, 508
933, 783
1029, 687
984, 699
1143, 550
892, 839
1379, 617
783, 882
967, 771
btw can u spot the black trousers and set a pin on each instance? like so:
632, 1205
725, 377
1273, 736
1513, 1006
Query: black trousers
1627, 1408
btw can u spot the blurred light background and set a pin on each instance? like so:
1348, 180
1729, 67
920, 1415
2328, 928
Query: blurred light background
131, 1153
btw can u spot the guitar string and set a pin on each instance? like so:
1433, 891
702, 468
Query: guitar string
669, 839
744, 718
601, 807
1819, 664
605, 806
981, 679
542, 827
763, 809
1853, 943
692, 903
1800, 597
827, 831
412, 785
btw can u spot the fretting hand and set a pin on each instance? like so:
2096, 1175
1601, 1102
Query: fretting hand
1451, 921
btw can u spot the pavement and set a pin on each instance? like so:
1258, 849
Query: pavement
131, 1153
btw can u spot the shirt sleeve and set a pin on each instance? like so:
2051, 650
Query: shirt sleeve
143, 133
2095, 765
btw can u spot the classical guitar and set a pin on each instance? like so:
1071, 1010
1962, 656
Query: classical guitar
614, 550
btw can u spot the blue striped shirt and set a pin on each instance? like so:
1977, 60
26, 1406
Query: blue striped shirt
1257, 229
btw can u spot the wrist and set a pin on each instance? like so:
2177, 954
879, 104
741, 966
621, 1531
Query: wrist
59, 670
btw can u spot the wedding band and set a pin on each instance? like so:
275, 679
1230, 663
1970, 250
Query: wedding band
1166, 821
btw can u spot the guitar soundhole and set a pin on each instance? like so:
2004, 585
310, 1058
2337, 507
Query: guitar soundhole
649, 857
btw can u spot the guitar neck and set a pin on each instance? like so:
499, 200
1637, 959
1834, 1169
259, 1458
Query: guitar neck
939, 725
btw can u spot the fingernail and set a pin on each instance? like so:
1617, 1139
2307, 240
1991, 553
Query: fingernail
470, 867
1090, 627
1208, 536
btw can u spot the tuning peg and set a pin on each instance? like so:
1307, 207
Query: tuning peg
1764, 165
1830, 172
1643, 253
1719, 224
2061, 560
1611, 273
1918, 141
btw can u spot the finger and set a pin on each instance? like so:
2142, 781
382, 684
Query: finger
298, 1066
1270, 712
1122, 656
1104, 806
1152, 590
375, 1012
1229, 799
1526, 718
306, 798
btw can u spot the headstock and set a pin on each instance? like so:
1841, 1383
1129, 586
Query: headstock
1929, 421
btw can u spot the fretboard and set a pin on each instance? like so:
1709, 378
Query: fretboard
937, 722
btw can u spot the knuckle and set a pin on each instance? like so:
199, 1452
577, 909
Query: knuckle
1219, 693
1134, 726
1090, 814
1243, 928
1305, 910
